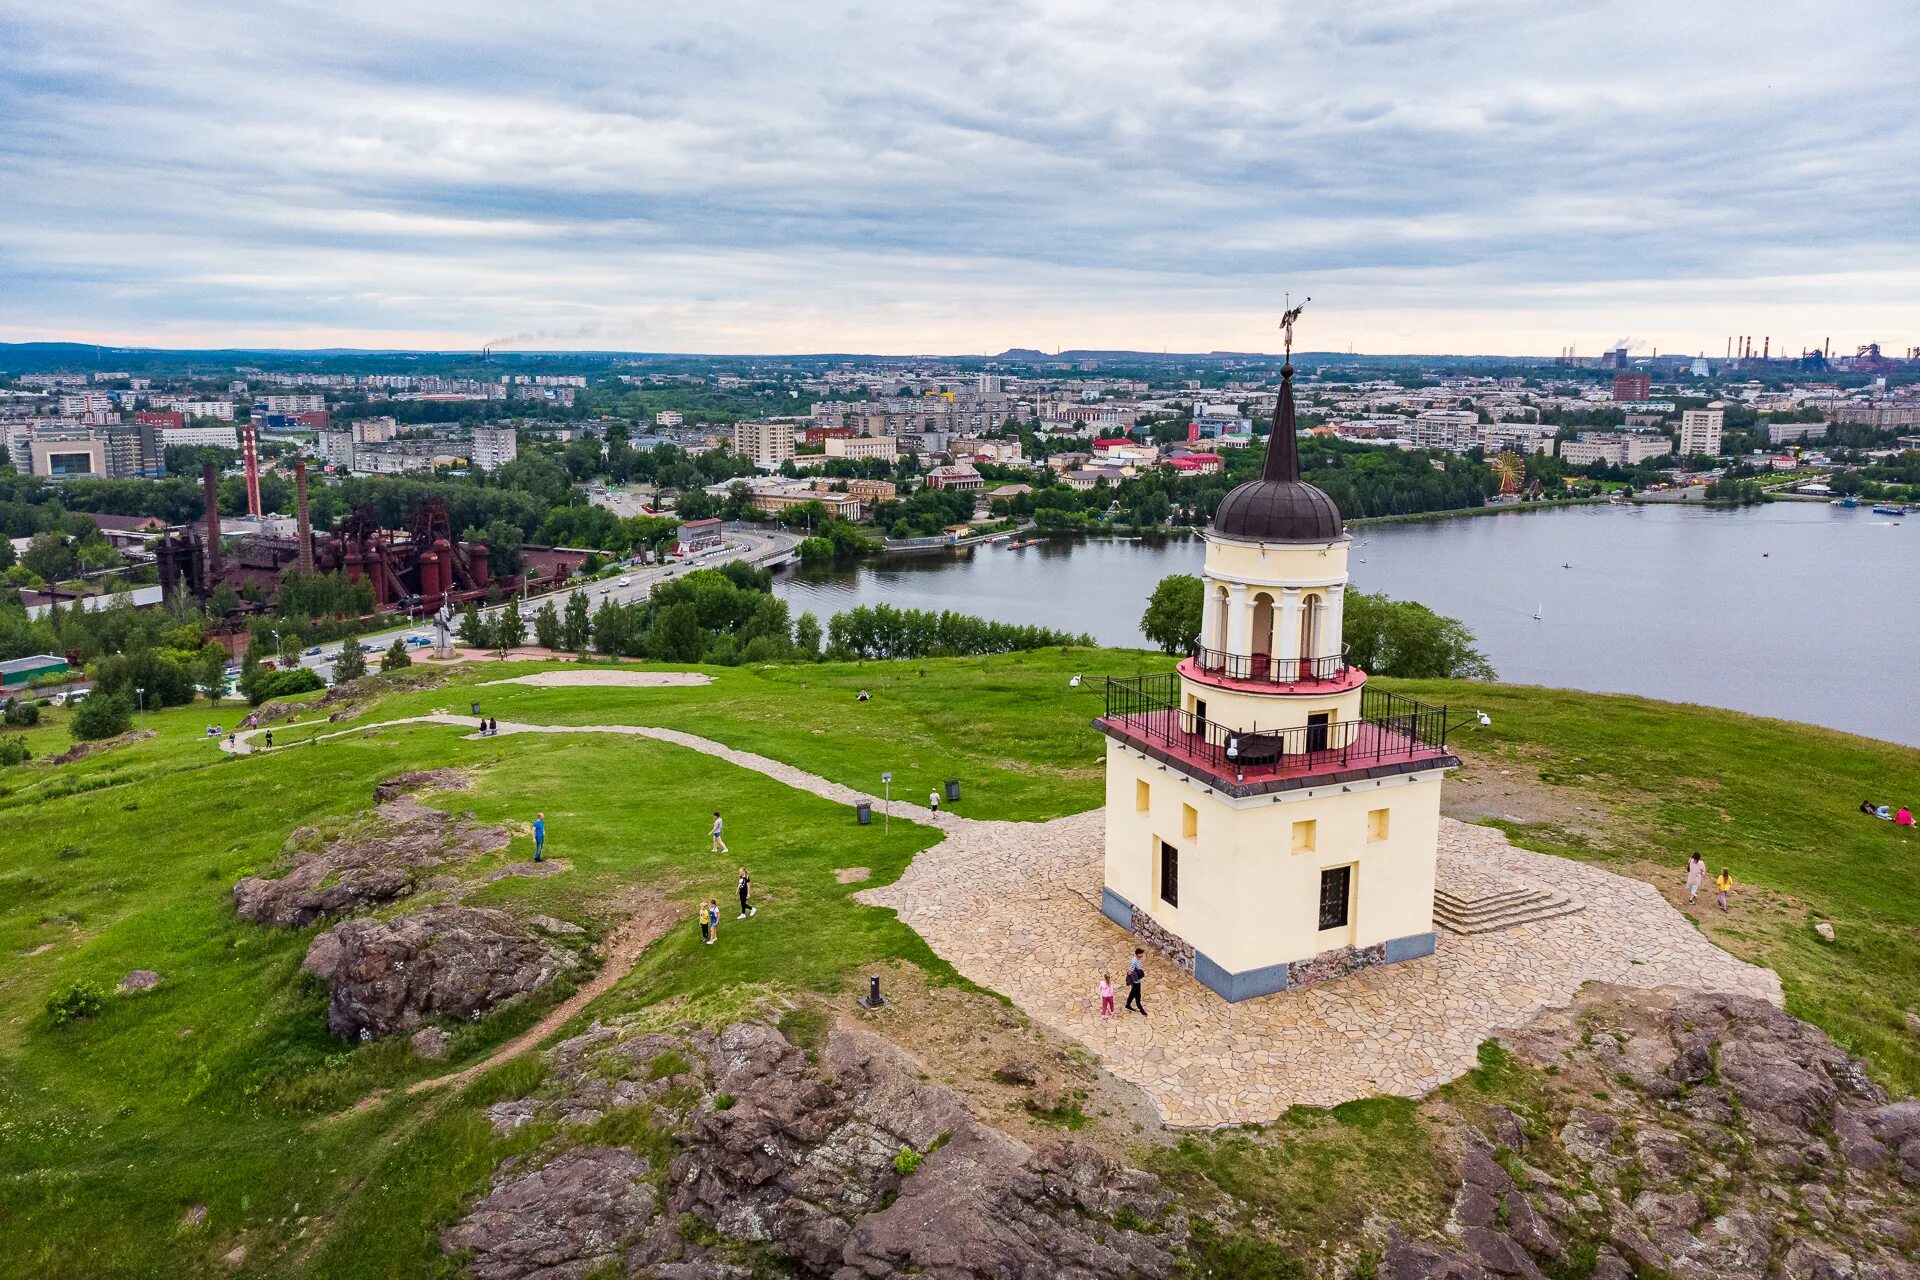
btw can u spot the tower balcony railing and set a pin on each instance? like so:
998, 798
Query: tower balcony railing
1262, 669
1145, 711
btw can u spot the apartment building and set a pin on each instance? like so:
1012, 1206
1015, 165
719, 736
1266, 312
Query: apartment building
294, 404
863, 447
1613, 448
1455, 430
215, 437
1632, 386
1789, 432
767, 444
336, 447
1700, 431
494, 447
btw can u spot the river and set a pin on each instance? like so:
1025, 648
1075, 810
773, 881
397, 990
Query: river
1796, 610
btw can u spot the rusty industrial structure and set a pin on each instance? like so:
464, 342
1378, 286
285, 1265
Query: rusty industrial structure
419, 567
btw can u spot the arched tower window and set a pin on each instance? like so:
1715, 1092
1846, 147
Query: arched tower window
1262, 641
1312, 618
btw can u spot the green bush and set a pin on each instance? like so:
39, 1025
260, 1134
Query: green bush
21, 714
397, 656
14, 751
284, 684
103, 715
74, 1001
907, 1161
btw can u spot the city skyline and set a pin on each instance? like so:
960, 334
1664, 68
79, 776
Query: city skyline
1481, 179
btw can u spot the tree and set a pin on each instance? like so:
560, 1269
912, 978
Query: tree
509, 629
576, 627
806, 636
546, 626
352, 664
1404, 639
285, 684
1172, 619
396, 657
102, 715
677, 635
475, 633
49, 556
210, 672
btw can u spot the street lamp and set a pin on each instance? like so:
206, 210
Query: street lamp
140, 694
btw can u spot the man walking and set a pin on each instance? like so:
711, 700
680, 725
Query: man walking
1136, 976
746, 891
719, 845
539, 836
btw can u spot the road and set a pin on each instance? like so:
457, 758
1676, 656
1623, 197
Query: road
755, 546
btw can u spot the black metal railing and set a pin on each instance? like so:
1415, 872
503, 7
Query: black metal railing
1147, 710
1259, 666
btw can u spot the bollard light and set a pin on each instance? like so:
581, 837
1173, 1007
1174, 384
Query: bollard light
874, 999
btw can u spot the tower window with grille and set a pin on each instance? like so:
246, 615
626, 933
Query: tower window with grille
1336, 895
1169, 874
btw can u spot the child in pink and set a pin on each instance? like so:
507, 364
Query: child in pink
1106, 996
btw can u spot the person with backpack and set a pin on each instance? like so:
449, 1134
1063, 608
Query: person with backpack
1136, 978
713, 918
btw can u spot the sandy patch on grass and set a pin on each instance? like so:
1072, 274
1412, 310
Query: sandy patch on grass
851, 875
626, 679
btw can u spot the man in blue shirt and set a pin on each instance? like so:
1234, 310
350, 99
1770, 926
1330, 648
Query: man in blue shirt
539, 835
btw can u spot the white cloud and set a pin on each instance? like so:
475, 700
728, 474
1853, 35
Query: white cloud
732, 176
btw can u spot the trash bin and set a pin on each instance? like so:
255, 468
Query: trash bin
953, 788
864, 811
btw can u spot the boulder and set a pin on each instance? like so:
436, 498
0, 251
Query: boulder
443, 961
1825, 931
377, 862
139, 980
557, 1221
1023, 1071
431, 1044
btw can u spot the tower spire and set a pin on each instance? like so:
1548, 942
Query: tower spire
1283, 444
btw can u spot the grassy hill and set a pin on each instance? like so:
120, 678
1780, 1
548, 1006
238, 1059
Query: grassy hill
221, 1089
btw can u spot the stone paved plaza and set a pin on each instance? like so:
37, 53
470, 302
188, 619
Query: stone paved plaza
1014, 907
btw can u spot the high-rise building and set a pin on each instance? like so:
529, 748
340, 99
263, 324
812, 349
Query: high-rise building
766, 443
1700, 432
494, 447
1632, 386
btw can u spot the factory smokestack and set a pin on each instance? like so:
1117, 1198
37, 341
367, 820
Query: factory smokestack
1766, 348
210, 491
248, 446
302, 516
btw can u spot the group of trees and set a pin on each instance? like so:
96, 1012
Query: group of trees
883, 631
1386, 637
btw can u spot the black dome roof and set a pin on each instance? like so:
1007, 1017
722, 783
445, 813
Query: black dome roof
1279, 506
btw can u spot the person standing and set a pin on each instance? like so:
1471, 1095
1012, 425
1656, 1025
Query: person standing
746, 891
1136, 978
1696, 876
719, 828
1106, 997
713, 919
1724, 883
933, 800
706, 930
539, 836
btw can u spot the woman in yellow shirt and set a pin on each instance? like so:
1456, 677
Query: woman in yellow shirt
1724, 883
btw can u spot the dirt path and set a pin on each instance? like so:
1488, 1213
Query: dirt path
645, 925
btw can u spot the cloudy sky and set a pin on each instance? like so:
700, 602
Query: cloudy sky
959, 177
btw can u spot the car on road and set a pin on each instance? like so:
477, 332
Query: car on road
314, 652
419, 642
626, 582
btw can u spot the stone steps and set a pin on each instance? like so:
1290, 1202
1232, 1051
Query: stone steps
1502, 910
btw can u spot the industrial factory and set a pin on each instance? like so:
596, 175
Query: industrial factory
424, 565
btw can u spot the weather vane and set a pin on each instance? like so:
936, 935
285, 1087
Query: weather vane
1286, 321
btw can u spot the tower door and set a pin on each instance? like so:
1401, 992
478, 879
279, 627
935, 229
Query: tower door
1317, 730
1200, 717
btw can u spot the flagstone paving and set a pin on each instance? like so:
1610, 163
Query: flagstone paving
1014, 907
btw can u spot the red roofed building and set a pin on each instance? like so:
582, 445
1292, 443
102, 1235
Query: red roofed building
1198, 464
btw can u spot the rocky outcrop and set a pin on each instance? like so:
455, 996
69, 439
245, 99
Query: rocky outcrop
1714, 1138
444, 961
555, 1221
375, 862
847, 1167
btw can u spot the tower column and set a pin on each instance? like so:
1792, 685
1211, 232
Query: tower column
1286, 645
1333, 640
1239, 620
1209, 614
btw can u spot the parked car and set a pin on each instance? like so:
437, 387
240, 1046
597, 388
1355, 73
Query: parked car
419, 642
